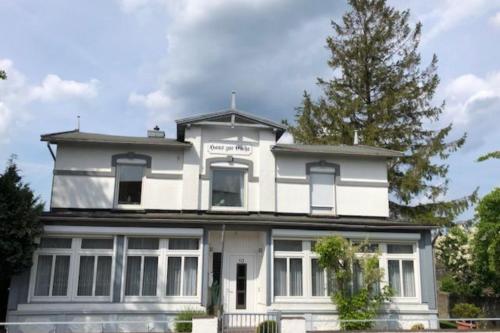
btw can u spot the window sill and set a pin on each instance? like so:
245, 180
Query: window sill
164, 299
228, 209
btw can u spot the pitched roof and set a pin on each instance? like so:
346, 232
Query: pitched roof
354, 150
84, 137
241, 118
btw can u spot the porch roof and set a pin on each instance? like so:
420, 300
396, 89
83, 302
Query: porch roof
195, 219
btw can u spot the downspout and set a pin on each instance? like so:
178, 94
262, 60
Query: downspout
51, 151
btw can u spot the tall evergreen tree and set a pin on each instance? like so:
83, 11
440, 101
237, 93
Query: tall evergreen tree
379, 88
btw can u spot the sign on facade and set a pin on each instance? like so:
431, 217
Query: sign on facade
229, 148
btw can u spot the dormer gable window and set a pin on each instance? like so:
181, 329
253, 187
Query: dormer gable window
130, 178
228, 188
322, 187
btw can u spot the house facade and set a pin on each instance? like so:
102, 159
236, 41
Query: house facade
140, 228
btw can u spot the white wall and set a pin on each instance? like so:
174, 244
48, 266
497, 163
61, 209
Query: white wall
83, 192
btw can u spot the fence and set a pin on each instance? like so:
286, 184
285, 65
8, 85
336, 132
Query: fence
248, 322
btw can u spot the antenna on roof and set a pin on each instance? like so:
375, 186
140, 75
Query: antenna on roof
356, 138
233, 100
78, 122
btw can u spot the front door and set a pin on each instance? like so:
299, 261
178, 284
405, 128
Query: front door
239, 284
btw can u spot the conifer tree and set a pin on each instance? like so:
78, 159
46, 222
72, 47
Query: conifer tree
380, 88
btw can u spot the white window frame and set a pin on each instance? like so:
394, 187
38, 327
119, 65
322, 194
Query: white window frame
322, 210
163, 254
74, 265
129, 162
231, 167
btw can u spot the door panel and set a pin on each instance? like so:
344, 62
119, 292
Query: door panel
239, 280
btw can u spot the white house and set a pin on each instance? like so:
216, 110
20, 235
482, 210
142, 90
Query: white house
140, 228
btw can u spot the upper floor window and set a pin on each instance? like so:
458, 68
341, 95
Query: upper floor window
130, 184
322, 192
228, 188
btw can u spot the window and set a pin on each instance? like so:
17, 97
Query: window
288, 268
322, 192
130, 184
241, 286
228, 188
162, 267
318, 279
94, 274
59, 259
401, 269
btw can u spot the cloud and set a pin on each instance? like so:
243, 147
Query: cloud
474, 106
269, 51
18, 98
155, 100
495, 20
53, 88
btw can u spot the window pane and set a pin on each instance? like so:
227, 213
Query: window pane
367, 248
394, 277
103, 276
97, 243
318, 279
279, 277
408, 279
287, 245
399, 248
174, 276
86, 276
322, 189
43, 271
183, 243
61, 272
55, 243
241, 286
190, 276
357, 276
130, 184
227, 188
149, 276
295, 277
135, 243
133, 276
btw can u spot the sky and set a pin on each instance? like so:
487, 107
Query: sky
125, 66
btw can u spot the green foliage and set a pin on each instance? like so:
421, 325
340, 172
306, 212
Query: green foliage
187, 315
19, 221
338, 256
267, 326
417, 327
379, 88
465, 310
493, 154
444, 324
3, 75
487, 243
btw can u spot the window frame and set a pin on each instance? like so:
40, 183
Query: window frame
119, 164
244, 171
322, 210
163, 253
74, 267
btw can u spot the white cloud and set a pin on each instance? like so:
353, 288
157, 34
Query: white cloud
17, 96
154, 100
53, 88
495, 20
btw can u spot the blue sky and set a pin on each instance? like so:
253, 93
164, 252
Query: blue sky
127, 65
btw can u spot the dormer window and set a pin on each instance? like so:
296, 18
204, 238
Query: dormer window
322, 190
130, 184
228, 188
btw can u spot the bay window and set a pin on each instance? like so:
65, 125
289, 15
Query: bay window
95, 266
401, 263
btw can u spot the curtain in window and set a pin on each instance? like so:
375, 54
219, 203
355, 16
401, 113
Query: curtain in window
394, 277
61, 273
280, 277
322, 189
43, 271
408, 279
174, 276
103, 276
149, 276
295, 277
133, 276
318, 279
190, 276
85, 276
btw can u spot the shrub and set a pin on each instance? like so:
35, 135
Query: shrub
267, 326
417, 327
444, 324
465, 310
187, 315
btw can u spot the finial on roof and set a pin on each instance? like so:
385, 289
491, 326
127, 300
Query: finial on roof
78, 123
233, 100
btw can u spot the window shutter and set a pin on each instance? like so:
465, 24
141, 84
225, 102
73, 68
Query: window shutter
322, 189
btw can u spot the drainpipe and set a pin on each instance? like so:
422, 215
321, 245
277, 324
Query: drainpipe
221, 290
51, 151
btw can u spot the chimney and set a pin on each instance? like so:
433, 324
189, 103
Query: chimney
156, 133
233, 100
356, 139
